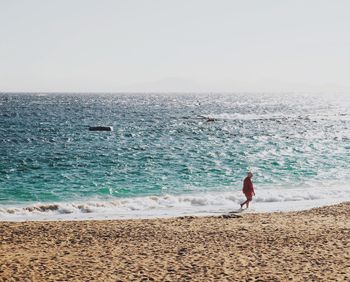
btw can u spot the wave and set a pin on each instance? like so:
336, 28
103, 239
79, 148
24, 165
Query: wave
238, 116
266, 200
278, 116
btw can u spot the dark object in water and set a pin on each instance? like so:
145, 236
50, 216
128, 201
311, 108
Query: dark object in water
209, 119
101, 128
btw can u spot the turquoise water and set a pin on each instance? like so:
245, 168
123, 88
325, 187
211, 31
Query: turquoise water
165, 145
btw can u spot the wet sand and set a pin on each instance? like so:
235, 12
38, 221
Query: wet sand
310, 245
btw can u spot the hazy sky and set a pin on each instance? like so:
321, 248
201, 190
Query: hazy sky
179, 45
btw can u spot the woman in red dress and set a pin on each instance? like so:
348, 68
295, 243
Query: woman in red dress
248, 189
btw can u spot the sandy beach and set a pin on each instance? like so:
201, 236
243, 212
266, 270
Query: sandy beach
311, 245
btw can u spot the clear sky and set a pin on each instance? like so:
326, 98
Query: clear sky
178, 45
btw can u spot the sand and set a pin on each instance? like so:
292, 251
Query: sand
310, 245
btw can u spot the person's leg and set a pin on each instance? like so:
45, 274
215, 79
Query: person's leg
243, 204
248, 201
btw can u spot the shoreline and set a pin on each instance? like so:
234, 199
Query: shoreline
167, 206
203, 214
299, 246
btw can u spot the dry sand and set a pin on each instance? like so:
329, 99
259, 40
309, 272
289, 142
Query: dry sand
311, 245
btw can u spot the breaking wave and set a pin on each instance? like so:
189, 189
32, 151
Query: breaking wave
266, 200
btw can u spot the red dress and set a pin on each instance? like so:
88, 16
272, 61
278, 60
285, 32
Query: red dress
248, 188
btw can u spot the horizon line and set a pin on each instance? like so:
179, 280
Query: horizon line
176, 92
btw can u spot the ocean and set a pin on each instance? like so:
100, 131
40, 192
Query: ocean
169, 154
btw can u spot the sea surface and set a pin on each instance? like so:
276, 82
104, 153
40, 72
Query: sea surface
170, 154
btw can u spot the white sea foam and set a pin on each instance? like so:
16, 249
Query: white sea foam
238, 116
266, 200
280, 116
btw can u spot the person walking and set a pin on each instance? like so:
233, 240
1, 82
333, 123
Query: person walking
248, 189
